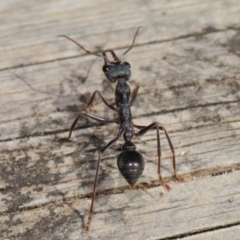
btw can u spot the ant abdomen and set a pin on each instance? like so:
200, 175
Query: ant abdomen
131, 165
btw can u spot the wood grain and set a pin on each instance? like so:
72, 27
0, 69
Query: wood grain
186, 62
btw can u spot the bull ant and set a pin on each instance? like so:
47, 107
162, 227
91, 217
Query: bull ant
130, 162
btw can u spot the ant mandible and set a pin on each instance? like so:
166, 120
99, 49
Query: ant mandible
130, 162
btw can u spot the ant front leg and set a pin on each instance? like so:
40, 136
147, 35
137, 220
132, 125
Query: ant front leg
84, 114
134, 95
90, 103
96, 177
156, 126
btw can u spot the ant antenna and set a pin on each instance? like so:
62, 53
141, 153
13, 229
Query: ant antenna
87, 51
98, 55
132, 42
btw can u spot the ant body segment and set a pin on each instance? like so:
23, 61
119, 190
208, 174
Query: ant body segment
130, 162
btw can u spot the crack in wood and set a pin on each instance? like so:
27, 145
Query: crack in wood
144, 186
200, 231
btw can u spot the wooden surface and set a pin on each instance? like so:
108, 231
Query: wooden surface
187, 64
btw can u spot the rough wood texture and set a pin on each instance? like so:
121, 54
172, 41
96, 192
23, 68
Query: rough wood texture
186, 61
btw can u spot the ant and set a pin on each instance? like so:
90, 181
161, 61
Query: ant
130, 162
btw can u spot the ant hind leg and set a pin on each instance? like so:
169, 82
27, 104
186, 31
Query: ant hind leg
143, 130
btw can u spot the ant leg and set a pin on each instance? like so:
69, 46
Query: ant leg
156, 126
134, 95
90, 103
85, 115
96, 177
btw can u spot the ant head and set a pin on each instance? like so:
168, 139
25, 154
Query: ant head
116, 69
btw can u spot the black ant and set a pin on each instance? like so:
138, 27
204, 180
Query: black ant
130, 162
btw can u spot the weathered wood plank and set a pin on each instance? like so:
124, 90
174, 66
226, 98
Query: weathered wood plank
195, 206
208, 75
191, 126
29, 29
187, 67
225, 233
38, 171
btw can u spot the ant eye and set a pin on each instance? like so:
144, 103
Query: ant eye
105, 68
127, 64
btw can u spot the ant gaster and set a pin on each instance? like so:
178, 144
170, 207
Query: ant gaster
130, 162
